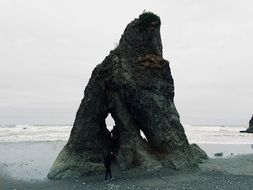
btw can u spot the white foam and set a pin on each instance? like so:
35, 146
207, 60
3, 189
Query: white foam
218, 135
26, 133
195, 134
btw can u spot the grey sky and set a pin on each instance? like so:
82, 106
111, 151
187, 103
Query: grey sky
49, 48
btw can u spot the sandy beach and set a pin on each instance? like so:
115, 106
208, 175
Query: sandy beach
24, 166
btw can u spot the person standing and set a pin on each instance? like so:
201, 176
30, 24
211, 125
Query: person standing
114, 141
107, 164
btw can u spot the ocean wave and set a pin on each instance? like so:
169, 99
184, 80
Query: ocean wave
195, 134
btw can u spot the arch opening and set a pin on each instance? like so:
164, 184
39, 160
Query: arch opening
143, 135
109, 122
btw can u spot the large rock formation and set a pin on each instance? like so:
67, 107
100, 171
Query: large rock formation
133, 84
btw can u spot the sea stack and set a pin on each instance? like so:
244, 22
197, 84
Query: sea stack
250, 129
134, 85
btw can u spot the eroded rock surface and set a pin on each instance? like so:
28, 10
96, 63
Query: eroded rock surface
133, 84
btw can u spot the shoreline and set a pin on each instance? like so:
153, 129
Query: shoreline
24, 165
210, 175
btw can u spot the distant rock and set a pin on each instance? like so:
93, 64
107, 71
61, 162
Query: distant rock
133, 84
250, 129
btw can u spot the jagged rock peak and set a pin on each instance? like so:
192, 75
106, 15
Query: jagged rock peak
142, 36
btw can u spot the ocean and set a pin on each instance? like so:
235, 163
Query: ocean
28, 151
213, 139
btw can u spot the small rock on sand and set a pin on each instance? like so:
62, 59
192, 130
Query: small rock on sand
218, 154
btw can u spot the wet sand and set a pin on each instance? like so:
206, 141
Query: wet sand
23, 166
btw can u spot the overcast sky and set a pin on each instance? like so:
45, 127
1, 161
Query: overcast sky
49, 48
